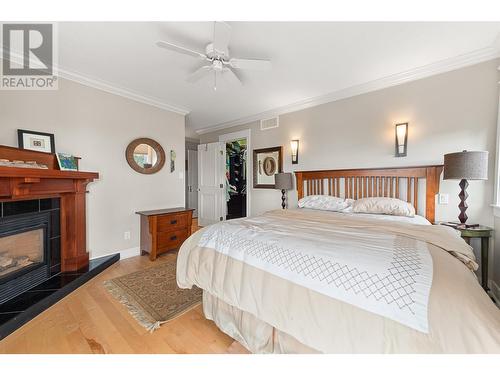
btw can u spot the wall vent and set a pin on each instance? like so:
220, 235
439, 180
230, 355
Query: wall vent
270, 123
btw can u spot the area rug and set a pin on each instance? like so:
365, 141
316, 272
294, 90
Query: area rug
152, 296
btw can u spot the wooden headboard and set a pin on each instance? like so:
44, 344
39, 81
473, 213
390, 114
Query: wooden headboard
399, 183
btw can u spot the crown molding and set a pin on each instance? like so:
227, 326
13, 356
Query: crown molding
461, 61
109, 88
126, 93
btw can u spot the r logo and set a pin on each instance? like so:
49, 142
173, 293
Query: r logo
34, 43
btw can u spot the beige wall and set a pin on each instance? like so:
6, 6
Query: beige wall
98, 126
447, 113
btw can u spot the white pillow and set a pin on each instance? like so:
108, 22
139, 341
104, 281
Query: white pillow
325, 203
386, 206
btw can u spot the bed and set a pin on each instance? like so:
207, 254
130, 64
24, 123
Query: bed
309, 281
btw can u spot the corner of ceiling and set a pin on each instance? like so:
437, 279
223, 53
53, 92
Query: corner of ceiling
108, 87
461, 61
124, 92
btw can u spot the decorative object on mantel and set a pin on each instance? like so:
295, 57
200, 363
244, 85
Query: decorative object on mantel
267, 162
172, 161
145, 155
67, 162
22, 164
463, 166
36, 141
284, 182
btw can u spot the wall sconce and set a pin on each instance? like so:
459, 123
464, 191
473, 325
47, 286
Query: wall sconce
401, 139
294, 144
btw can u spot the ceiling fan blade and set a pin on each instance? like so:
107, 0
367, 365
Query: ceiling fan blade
198, 74
222, 35
251, 64
230, 77
183, 50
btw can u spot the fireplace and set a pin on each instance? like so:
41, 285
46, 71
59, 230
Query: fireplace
42, 211
29, 245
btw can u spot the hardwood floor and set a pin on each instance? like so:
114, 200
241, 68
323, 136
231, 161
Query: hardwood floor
90, 320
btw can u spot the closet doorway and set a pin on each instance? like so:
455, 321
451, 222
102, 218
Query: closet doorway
236, 174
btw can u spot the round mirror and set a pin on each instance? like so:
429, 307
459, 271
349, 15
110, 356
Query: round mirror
145, 155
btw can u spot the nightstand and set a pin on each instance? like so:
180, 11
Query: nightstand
484, 233
164, 230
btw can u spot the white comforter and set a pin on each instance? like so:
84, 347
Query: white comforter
383, 273
460, 316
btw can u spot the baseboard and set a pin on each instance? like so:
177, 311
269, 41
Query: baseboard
124, 254
495, 292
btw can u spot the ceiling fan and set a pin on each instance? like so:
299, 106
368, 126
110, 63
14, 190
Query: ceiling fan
220, 64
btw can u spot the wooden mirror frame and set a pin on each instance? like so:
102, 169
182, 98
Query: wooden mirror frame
160, 154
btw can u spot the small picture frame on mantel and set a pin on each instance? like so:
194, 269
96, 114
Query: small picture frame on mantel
36, 141
67, 162
266, 163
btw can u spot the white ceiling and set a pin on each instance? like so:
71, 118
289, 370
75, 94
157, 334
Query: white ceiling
309, 59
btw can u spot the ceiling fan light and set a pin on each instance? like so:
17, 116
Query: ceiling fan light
217, 55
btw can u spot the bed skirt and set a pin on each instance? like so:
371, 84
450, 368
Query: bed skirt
254, 334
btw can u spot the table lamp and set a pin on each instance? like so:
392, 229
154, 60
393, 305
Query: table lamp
283, 182
463, 166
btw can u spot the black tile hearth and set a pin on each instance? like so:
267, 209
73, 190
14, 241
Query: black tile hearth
23, 301
57, 282
21, 309
5, 317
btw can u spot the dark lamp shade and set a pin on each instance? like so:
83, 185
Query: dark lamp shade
468, 165
283, 181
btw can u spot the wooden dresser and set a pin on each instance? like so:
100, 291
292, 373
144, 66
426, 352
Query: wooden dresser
164, 230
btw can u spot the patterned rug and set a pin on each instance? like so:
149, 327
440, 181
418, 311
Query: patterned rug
152, 296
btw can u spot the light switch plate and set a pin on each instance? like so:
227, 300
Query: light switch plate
443, 198
126, 235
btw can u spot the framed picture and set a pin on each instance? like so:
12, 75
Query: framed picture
67, 162
266, 163
36, 141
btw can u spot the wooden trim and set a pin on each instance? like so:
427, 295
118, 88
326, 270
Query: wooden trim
46, 173
375, 183
431, 189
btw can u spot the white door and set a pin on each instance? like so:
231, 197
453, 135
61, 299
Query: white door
192, 180
211, 183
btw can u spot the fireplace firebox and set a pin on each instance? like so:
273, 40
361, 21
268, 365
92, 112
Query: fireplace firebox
29, 245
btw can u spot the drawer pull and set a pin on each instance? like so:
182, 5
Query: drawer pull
173, 222
173, 238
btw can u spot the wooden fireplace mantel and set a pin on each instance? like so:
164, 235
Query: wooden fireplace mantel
70, 187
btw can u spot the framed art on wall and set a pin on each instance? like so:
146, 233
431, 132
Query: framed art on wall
36, 141
266, 163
